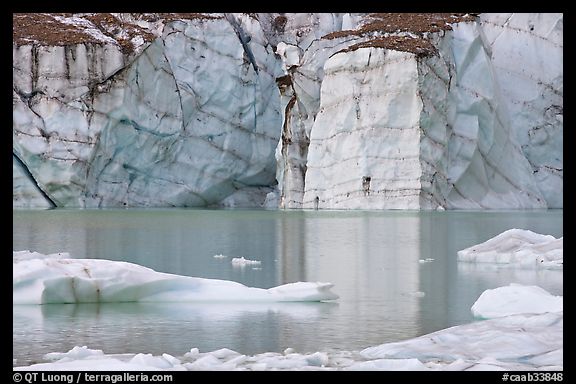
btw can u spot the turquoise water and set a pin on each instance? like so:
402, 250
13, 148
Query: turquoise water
372, 257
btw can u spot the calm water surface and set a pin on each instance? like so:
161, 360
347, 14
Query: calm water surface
372, 257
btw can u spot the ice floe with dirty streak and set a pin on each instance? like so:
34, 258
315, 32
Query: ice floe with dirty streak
46, 279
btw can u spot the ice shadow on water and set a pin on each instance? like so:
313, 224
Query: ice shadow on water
183, 311
495, 275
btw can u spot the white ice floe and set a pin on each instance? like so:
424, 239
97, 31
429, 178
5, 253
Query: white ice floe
48, 279
389, 365
514, 299
519, 247
241, 262
220, 256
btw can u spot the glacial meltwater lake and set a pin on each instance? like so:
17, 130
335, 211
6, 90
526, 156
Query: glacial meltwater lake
374, 259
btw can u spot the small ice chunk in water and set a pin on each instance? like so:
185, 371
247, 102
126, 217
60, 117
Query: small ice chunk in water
241, 261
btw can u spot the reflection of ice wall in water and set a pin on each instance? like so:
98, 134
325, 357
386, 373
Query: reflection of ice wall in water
366, 256
291, 249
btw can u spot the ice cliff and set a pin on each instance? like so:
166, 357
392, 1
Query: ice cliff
380, 111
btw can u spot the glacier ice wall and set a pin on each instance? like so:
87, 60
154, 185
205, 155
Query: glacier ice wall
190, 121
482, 164
205, 133
55, 128
526, 51
290, 111
399, 131
364, 144
303, 53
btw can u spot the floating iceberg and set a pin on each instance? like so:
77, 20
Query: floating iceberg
520, 247
515, 299
44, 279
